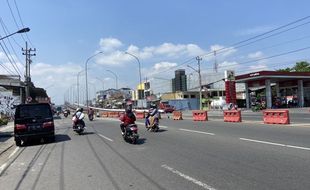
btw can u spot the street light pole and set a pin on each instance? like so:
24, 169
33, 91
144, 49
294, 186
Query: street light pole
19, 31
77, 87
115, 77
86, 82
138, 63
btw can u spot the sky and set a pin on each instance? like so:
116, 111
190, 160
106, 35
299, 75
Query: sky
165, 35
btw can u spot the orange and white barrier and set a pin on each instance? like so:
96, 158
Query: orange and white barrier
232, 116
177, 115
276, 117
200, 115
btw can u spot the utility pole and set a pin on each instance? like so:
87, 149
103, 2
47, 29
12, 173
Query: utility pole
199, 74
215, 62
28, 54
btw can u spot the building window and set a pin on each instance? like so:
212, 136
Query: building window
185, 96
193, 96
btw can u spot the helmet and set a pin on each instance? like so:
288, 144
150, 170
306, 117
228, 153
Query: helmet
128, 108
79, 110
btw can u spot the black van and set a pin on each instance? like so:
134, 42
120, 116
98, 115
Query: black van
33, 121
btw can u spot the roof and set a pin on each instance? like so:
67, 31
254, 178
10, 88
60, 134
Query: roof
278, 75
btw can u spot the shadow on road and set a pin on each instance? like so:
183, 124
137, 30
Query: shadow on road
141, 141
162, 130
4, 136
88, 133
39, 141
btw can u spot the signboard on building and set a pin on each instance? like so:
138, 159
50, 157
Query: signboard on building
229, 75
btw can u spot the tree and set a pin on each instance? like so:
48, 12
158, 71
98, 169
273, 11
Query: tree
285, 70
302, 66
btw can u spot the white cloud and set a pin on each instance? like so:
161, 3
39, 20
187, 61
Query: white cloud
158, 67
222, 51
109, 44
256, 55
226, 65
254, 31
163, 66
258, 67
6, 67
177, 50
113, 58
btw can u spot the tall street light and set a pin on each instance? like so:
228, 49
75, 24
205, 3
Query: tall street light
86, 75
77, 87
101, 81
19, 31
115, 77
138, 63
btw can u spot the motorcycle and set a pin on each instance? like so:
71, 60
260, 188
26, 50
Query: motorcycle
91, 117
152, 124
78, 123
131, 133
66, 113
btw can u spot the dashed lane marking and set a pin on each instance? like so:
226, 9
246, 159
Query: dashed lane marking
275, 144
12, 154
105, 137
201, 132
191, 179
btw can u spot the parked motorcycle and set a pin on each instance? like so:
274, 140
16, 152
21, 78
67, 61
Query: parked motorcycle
131, 133
78, 123
152, 124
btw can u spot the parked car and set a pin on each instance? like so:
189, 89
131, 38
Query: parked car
33, 121
166, 107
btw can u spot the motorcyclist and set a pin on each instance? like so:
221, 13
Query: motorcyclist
128, 118
153, 112
90, 112
77, 114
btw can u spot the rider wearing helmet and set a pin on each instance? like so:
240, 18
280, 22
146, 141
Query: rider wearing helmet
153, 112
128, 118
77, 114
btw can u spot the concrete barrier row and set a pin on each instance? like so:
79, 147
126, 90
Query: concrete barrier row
269, 116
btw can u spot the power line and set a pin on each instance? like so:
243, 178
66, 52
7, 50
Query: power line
14, 17
21, 21
274, 45
269, 57
6, 68
9, 57
5, 29
243, 41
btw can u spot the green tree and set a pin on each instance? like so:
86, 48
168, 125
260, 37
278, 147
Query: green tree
285, 70
302, 66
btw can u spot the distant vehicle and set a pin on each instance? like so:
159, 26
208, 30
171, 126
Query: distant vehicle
58, 110
33, 121
166, 107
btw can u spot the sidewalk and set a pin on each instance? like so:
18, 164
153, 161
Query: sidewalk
6, 137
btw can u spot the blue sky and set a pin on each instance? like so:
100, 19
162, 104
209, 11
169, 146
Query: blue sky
163, 34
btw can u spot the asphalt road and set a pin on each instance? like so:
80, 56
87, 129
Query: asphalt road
183, 155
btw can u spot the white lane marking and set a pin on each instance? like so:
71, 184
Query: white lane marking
196, 131
2, 168
160, 126
275, 144
195, 181
12, 154
105, 137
